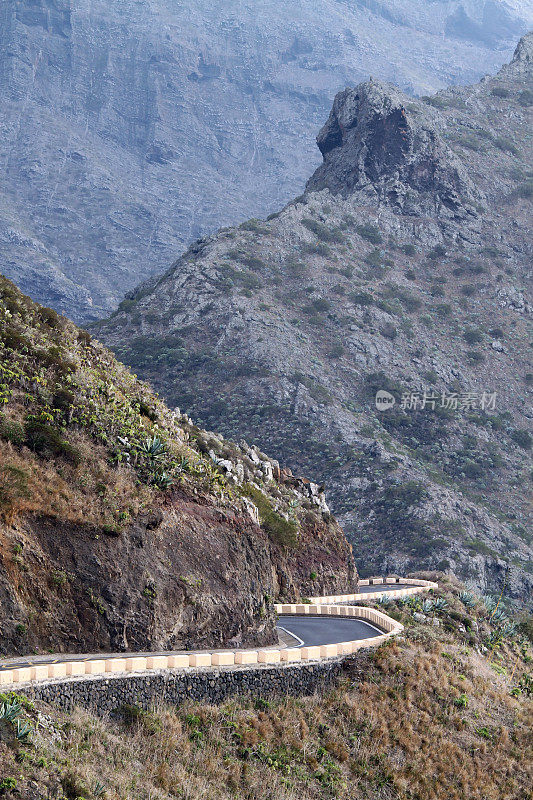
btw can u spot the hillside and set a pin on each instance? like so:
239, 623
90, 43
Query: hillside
405, 268
128, 129
442, 713
118, 530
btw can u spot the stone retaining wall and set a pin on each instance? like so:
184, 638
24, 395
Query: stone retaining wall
207, 685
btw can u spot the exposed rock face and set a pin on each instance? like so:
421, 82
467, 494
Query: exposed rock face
188, 576
374, 146
128, 129
406, 259
124, 526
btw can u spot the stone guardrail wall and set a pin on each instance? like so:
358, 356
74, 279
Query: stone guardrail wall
414, 587
99, 667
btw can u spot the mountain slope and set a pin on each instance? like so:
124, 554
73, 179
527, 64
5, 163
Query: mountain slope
403, 268
464, 730
128, 129
117, 530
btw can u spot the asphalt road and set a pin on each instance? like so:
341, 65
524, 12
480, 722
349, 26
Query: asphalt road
384, 587
327, 630
307, 631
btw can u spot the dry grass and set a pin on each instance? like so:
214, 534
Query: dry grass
395, 728
93, 492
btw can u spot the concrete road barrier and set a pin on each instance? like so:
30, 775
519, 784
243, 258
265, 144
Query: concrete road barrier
318, 606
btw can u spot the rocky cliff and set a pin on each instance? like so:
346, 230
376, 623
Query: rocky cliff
403, 269
127, 129
123, 526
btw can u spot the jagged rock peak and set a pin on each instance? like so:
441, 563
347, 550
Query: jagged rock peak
524, 50
377, 141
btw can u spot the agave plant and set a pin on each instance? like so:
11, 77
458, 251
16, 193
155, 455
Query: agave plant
99, 789
153, 448
385, 600
508, 630
499, 617
428, 606
22, 730
162, 479
489, 603
467, 599
440, 604
494, 639
184, 464
10, 711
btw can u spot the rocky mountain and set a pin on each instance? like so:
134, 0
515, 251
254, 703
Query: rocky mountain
119, 528
374, 333
127, 129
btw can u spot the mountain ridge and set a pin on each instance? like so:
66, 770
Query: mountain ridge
404, 267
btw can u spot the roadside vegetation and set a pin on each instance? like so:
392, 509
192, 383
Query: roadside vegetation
441, 713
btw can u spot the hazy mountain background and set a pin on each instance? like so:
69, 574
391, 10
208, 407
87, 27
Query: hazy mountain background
128, 129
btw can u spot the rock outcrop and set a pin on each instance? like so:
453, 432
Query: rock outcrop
381, 147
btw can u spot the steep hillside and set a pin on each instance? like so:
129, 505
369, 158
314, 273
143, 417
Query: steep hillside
129, 128
120, 529
403, 268
443, 713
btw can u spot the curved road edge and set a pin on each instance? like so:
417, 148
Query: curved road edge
317, 606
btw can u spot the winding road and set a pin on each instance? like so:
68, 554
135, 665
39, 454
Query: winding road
308, 631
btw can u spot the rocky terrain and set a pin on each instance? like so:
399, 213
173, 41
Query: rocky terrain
128, 129
404, 268
123, 526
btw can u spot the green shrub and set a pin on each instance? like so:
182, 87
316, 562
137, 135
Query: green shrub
525, 98
475, 357
317, 250
506, 145
50, 317
408, 300
370, 233
47, 440
321, 231
437, 252
526, 189
14, 339
253, 225
11, 431
280, 530
13, 488
409, 249
361, 298
468, 140
473, 336
253, 262
522, 438
499, 91
442, 310
374, 258
336, 351
295, 267
388, 331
